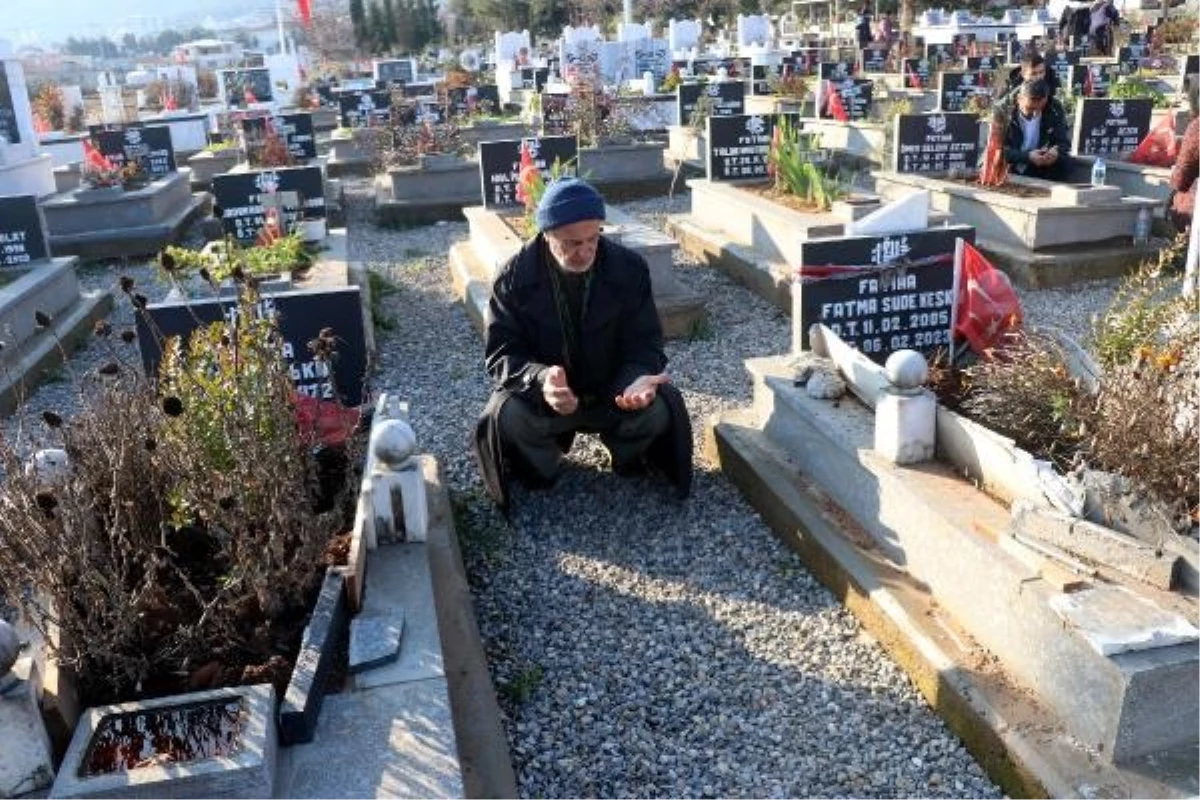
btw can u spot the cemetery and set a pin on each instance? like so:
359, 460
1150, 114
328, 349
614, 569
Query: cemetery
939, 535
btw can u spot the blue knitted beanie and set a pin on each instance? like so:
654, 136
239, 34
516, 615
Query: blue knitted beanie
568, 200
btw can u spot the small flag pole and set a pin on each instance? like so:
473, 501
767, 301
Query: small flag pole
958, 258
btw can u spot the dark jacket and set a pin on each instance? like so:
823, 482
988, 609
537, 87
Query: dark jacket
1184, 177
620, 340
1054, 130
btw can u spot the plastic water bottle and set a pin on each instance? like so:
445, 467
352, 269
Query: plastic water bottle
1141, 228
1099, 172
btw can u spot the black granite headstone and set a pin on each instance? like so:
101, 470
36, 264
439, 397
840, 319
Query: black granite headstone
917, 72
738, 146
1105, 126
895, 292
8, 113
395, 71
239, 194
940, 54
364, 109
236, 82
301, 315
935, 143
761, 76
534, 78
296, 130
500, 165
22, 235
1092, 80
835, 70
149, 146
555, 120
874, 59
728, 98
1061, 62
982, 63
855, 94
487, 98
955, 89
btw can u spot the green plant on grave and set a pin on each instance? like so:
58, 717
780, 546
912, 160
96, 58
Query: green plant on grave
1136, 86
285, 254
791, 163
791, 86
1143, 306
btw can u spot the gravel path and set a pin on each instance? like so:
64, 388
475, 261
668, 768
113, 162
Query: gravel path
643, 647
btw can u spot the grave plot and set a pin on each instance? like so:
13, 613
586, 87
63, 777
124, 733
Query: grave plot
742, 218
1112, 129
32, 281
1042, 233
498, 232
1091, 632
687, 144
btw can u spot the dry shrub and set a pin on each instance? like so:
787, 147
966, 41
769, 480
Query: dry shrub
1143, 422
1028, 394
182, 544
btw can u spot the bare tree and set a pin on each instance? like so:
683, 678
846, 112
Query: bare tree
331, 34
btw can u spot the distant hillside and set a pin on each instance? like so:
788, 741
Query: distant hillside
54, 21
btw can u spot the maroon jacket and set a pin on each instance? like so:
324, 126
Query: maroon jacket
1183, 175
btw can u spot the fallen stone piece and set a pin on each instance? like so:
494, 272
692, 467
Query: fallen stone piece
1113, 620
1097, 544
375, 640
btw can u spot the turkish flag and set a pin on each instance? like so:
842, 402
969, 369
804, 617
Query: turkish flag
92, 157
1160, 148
914, 80
328, 421
527, 176
837, 109
305, 9
988, 306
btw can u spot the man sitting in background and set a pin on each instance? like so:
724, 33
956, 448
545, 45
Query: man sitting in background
1037, 139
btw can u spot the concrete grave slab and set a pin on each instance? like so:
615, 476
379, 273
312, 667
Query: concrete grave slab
394, 742
25, 759
1114, 620
375, 640
398, 576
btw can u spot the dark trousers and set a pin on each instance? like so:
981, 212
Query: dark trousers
534, 431
1055, 172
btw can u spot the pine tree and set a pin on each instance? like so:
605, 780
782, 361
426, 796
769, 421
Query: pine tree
358, 18
390, 29
376, 31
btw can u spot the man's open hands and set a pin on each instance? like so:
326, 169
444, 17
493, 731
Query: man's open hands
557, 394
1043, 156
641, 392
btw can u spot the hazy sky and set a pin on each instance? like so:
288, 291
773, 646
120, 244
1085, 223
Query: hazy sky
47, 21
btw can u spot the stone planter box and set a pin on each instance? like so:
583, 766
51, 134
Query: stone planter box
1075, 232
324, 119
66, 178
474, 265
346, 157
422, 194
207, 163
769, 104
863, 139
478, 132
1137, 180
249, 772
767, 232
1116, 667
626, 171
51, 286
102, 224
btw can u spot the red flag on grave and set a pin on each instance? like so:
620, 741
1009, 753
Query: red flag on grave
92, 157
988, 306
304, 7
837, 109
527, 176
1160, 148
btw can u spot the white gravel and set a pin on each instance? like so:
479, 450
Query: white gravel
643, 647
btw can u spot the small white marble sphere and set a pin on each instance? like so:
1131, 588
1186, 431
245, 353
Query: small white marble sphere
906, 370
10, 647
393, 442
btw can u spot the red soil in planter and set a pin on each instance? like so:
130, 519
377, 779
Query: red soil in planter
165, 736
